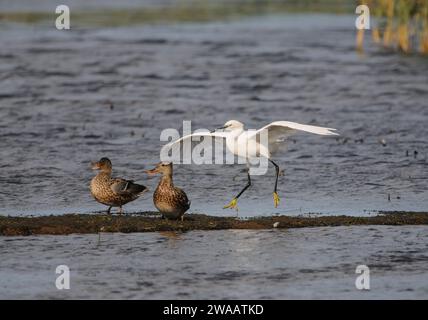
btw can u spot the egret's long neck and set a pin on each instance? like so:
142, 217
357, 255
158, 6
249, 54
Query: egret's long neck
236, 132
232, 139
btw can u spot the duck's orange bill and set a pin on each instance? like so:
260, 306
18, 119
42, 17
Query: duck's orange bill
152, 171
95, 165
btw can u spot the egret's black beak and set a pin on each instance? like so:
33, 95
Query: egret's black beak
221, 128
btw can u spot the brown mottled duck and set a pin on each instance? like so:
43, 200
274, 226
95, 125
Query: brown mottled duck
172, 202
113, 192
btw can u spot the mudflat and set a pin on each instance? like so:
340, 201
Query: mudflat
151, 221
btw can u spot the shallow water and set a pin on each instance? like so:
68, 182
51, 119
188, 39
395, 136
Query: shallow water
58, 86
316, 263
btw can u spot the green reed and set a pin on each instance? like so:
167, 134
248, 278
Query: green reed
400, 24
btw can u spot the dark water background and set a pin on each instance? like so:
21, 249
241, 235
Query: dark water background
57, 89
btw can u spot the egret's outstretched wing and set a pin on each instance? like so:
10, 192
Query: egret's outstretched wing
280, 130
195, 135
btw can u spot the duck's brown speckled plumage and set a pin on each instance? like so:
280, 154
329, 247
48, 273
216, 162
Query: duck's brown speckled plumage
113, 192
171, 201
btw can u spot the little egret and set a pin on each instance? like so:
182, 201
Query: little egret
262, 142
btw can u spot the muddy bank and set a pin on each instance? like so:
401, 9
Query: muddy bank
149, 222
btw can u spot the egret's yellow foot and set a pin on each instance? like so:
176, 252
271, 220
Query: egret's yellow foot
232, 204
276, 199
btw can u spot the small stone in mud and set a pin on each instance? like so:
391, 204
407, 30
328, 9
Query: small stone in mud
382, 142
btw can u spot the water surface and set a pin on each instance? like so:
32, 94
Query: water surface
69, 97
315, 263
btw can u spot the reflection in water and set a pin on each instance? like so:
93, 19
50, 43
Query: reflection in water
174, 238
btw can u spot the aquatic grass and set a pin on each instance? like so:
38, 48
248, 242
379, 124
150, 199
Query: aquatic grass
400, 24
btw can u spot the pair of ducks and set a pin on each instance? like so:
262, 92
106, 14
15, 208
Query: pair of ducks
172, 202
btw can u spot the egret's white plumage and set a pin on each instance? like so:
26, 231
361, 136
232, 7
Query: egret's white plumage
238, 139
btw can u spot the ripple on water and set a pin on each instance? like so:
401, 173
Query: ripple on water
56, 117
296, 263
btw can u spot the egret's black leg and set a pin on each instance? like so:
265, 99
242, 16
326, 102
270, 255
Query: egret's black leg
247, 186
234, 202
275, 194
108, 210
277, 174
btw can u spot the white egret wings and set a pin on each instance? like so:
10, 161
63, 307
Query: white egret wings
281, 130
197, 134
276, 131
284, 129
172, 151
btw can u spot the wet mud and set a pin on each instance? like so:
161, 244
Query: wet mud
150, 222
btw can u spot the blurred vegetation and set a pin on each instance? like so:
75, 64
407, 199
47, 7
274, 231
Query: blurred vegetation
183, 11
400, 24
397, 24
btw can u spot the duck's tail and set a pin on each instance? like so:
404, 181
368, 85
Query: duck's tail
137, 189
